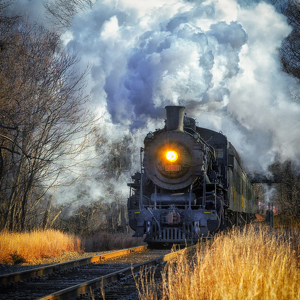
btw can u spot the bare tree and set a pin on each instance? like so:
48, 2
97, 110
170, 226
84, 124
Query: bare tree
287, 191
61, 12
290, 49
41, 113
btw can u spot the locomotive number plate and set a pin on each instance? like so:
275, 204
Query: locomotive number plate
172, 168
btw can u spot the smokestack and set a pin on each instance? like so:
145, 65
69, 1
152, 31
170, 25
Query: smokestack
175, 115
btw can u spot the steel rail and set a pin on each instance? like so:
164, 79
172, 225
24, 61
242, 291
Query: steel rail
10, 278
85, 288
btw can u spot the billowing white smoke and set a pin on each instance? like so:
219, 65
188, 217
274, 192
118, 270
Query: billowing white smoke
216, 58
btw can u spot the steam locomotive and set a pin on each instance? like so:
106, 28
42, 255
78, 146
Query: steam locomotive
191, 184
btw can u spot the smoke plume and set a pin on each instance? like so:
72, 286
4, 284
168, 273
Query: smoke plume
217, 58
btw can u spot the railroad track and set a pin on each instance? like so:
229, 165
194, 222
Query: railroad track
110, 273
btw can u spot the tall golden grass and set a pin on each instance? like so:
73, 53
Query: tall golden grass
252, 263
35, 245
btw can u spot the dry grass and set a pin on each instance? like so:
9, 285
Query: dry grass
30, 246
249, 264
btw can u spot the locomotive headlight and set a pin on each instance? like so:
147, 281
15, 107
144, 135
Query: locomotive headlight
172, 156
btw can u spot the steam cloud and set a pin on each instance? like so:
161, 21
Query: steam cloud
217, 58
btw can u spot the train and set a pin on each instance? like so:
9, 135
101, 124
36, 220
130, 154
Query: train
191, 184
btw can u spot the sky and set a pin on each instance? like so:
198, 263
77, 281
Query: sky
217, 58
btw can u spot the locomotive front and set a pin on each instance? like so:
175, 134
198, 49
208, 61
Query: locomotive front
169, 199
173, 159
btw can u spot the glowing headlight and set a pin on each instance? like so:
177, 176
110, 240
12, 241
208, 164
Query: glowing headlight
172, 156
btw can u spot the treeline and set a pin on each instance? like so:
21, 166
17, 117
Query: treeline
84, 213
88, 220
83, 219
287, 192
